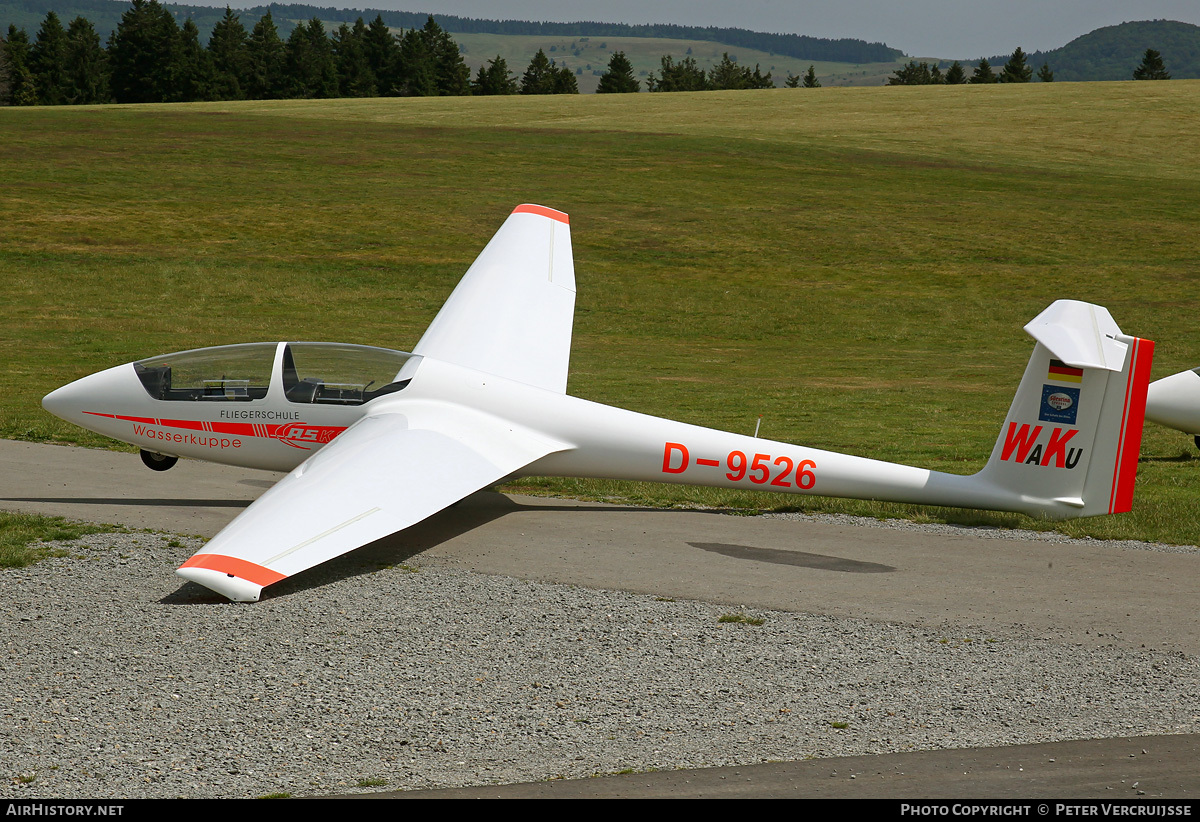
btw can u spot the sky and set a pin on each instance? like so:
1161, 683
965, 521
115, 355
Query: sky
951, 29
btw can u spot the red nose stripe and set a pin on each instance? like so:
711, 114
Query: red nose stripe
235, 567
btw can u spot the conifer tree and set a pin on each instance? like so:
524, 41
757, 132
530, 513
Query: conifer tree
792, 81
355, 78
810, 78
619, 78
539, 75
21, 89
48, 62
87, 64
494, 78
144, 54
266, 57
682, 76
1016, 70
383, 54
983, 73
1151, 68
229, 50
955, 76
414, 76
311, 70
451, 75
193, 67
1045, 74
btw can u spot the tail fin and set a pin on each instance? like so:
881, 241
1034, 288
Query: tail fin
1073, 433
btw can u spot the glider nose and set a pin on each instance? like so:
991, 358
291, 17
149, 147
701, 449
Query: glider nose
90, 393
1174, 401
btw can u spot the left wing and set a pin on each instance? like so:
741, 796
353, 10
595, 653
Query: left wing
388, 471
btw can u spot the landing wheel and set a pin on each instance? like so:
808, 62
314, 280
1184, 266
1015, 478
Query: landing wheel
158, 462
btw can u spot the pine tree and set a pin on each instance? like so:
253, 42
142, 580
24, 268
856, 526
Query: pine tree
451, 75
415, 75
494, 78
955, 76
983, 73
21, 88
48, 61
311, 70
564, 81
810, 79
1015, 70
682, 76
539, 75
87, 64
1152, 67
355, 78
383, 54
1045, 74
792, 81
229, 50
619, 78
266, 57
144, 53
194, 78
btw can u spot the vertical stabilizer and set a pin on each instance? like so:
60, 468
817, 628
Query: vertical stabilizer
1074, 430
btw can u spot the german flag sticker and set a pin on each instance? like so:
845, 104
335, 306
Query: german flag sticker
1061, 372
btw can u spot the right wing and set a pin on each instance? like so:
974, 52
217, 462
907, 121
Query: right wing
511, 314
386, 472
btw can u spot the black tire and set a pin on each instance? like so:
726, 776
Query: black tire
158, 462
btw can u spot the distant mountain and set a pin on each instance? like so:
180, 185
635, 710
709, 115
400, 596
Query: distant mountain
106, 14
1113, 52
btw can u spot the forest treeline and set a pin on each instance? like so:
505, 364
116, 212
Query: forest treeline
104, 13
149, 58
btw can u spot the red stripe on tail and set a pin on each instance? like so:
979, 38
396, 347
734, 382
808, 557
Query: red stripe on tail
1130, 446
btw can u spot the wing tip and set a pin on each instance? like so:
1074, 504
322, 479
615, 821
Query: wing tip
542, 211
236, 579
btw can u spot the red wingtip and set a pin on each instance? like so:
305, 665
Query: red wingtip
244, 569
529, 208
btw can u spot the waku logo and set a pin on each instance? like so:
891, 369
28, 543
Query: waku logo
302, 435
1022, 445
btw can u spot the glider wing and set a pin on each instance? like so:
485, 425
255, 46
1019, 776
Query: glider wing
386, 472
511, 315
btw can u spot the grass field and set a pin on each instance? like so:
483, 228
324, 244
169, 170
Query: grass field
854, 264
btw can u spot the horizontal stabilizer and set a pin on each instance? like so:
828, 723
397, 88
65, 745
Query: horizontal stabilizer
1080, 334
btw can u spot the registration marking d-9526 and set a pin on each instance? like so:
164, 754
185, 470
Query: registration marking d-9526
760, 469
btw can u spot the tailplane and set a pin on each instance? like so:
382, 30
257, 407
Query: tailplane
1074, 430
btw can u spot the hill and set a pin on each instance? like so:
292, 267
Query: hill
1113, 52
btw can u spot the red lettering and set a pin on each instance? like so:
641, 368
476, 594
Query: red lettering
667, 458
1058, 447
1020, 440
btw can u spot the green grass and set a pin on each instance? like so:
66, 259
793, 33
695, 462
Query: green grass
855, 265
24, 537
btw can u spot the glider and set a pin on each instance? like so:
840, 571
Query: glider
1174, 402
376, 440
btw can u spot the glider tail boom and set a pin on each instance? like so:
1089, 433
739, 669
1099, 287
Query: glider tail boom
1069, 445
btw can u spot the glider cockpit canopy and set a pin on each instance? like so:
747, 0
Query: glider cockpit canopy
311, 372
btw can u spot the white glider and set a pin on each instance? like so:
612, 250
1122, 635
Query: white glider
1174, 402
377, 440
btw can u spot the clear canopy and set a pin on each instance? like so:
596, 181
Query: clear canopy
323, 373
